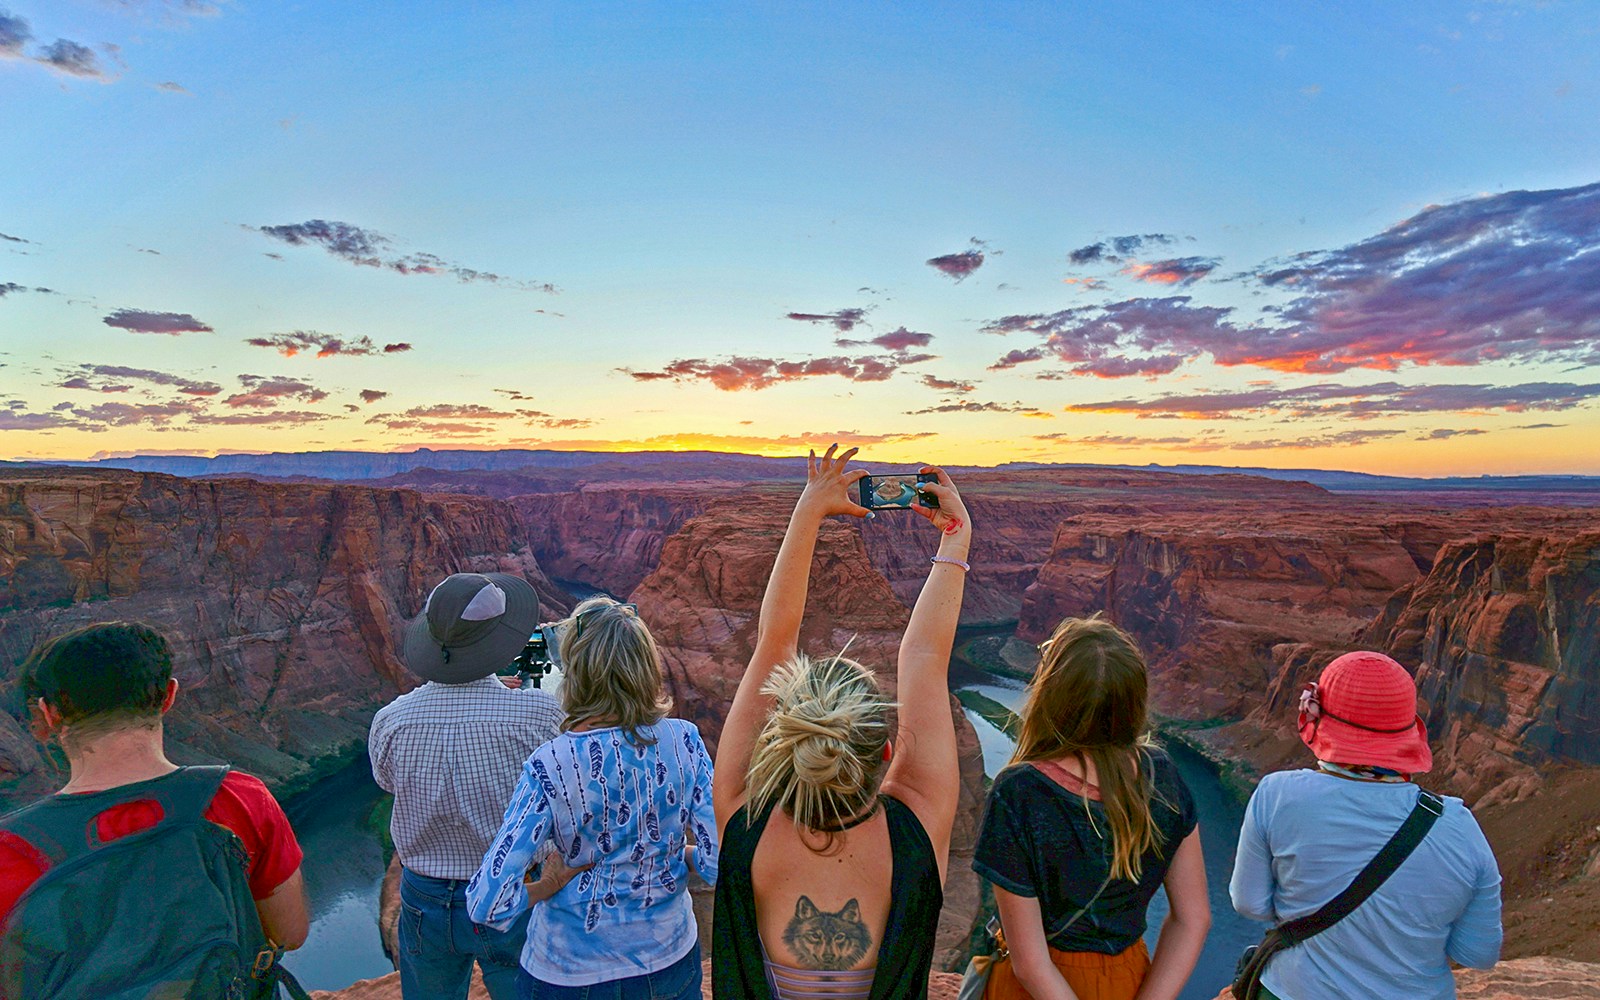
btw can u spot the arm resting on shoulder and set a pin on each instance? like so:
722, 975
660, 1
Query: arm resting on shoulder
1184, 932
284, 916
1023, 923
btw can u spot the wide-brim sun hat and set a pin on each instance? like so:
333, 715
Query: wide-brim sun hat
1363, 711
472, 625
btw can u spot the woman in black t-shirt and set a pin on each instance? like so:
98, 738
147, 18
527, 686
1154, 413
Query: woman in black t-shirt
1088, 820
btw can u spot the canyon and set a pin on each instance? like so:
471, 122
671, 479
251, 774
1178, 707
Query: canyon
285, 598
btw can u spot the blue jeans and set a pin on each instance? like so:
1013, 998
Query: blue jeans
439, 943
678, 981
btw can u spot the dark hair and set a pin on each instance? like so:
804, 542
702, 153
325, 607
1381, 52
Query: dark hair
109, 669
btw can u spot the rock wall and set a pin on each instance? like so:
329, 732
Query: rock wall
283, 602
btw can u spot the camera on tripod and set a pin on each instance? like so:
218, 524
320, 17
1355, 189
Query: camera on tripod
540, 654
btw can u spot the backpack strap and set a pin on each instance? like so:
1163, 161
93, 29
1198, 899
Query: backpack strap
1424, 814
62, 827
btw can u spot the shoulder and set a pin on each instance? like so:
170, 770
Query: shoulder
1163, 770
681, 730
1015, 782
397, 709
243, 798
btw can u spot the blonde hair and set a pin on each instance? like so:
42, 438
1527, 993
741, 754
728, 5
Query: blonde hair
819, 758
612, 669
1088, 701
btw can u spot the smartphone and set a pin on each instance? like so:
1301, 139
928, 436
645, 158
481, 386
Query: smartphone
896, 492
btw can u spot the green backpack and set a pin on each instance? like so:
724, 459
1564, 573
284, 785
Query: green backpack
161, 914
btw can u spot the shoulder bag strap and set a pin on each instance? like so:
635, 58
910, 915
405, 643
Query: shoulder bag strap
1424, 814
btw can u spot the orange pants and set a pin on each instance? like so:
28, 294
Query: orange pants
1092, 976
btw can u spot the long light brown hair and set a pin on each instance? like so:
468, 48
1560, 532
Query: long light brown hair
612, 670
1088, 701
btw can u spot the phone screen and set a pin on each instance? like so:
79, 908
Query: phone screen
895, 492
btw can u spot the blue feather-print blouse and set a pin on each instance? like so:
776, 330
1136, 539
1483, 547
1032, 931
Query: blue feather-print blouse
597, 797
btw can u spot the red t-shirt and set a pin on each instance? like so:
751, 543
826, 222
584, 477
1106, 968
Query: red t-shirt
242, 804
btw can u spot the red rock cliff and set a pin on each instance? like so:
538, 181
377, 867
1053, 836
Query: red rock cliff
283, 601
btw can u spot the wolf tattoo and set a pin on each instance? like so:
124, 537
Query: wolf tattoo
822, 940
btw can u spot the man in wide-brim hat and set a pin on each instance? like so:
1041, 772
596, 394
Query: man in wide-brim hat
451, 751
1307, 834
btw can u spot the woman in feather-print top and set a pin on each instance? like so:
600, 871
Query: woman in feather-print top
609, 807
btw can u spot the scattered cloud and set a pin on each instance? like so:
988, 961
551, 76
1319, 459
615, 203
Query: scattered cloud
898, 340
959, 266
516, 395
141, 321
1442, 433
114, 378
1173, 271
172, 87
14, 34
71, 58
11, 287
1329, 399
843, 320
760, 373
1504, 277
1210, 441
947, 384
369, 248
325, 345
462, 419
1114, 250
266, 391
972, 406
1100, 340
117, 414
261, 417
372, 395
7, 236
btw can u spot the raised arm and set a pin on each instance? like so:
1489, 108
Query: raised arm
778, 632
924, 771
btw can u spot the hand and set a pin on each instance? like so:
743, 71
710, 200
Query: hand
554, 874
513, 681
951, 515
828, 486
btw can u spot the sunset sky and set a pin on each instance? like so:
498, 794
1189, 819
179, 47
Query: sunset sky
1359, 235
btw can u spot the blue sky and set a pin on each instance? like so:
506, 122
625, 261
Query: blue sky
687, 176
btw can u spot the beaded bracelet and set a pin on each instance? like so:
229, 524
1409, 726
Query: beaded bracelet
965, 566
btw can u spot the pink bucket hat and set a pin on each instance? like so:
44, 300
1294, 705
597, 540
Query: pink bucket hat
1363, 710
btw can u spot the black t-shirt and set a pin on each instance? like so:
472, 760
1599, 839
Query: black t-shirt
1039, 841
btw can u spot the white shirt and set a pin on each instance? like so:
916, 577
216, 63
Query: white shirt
451, 754
1307, 834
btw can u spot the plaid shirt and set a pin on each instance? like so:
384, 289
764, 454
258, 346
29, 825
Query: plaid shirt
451, 754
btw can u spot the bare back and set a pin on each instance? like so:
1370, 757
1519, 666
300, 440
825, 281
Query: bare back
823, 911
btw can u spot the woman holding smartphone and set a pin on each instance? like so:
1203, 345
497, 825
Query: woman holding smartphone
835, 829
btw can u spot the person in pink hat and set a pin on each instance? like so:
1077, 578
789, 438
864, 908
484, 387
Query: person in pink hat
1309, 833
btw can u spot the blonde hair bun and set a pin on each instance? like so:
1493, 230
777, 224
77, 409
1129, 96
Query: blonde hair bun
820, 754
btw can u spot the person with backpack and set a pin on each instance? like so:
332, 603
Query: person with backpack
139, 878
1088, 820
1308, 834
